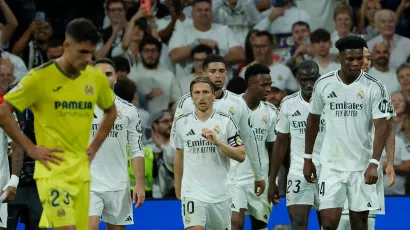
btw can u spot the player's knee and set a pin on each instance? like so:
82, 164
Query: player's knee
329, 223
299, 222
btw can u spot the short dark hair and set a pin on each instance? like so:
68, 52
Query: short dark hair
54, 43
125, 89
308, 64
300, 23
350, 42
150, 40
201, 49
265, 34
199, 1
202, 79
320, 35
105, 61
254, 70
82, 30
121, 64
402, 67
109, 2
211, 59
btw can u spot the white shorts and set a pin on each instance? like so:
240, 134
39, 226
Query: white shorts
301, 192
114, 207
215, 216
344, 223
337, 186
245, 198
3, 215
380, 194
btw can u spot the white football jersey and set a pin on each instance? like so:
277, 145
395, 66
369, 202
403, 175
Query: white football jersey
349, 113
234, 105
206, 167
293, 114
263, 120
109, 169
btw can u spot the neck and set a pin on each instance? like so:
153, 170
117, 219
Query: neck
204, 115
202, 27
251, 101
381, 68
163, 139
343, 34
372, 24
388, 38
344, 78
218, 93
305, 96
268, 62
323, 60
399, 118
67, 68
151, 67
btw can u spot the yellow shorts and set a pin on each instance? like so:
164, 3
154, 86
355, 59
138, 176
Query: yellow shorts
64, 204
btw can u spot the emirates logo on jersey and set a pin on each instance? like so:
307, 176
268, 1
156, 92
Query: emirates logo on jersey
264, 120
89, 90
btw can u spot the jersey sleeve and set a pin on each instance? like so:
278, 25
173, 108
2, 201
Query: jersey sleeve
271, 137
380, 103
233, 134
176, 139
25, 93
316, 104
283, 124
135, 134
105, 95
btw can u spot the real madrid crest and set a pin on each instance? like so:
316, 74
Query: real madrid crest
89, 90
217, 129
119, 115
360, 94
231, 111
187, 219
239, 140
264, 119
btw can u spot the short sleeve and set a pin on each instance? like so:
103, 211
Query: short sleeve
176, 140
316, 104
105, 94
282, 123
233, 133
177, 40
380, 103
271, 137
135, 134
25, 93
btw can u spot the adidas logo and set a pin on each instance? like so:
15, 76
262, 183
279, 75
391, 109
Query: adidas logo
190, 133
232, 206
332, 95
297, 113
369, 205
129, 218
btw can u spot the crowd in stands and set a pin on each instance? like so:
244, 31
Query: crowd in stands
161, 50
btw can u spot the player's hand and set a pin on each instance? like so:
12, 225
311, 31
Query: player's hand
273, 194
91, 154
211, 136
260, 187
10, 193
391, 174
178, 192
138, 195
45, 155
370, 176
309, 171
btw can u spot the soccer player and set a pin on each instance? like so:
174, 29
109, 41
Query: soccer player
351, 101
214, 67
110, 193
205, 141
263, 115
291, 127
62, 95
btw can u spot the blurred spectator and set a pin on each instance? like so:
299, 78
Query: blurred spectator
158, 85
161, 123
32, 45
399, 46
301, 48
7, 30
262, 51
403, 15
277, 93
401, 108
343, 18
112, 35
238, 15
6, 75
320, 11
122, 67
322, 44
20, 69
366, 23
203, 31
279, 21
198, 55
54, 49
403, 74
381, 70
168, 24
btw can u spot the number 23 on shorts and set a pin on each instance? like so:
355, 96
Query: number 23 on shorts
59, 197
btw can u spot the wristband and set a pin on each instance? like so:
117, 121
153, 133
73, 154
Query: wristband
374, 161
307, 156
13, 182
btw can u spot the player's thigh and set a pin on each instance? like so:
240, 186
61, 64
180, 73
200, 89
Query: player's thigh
361, 196
96, 204
258, 207
117, 207
344, 223
218, 215
193, 213
3, 215
82, 204
57, 198
239, 198
332, 189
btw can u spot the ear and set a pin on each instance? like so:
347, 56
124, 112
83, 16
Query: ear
66, 44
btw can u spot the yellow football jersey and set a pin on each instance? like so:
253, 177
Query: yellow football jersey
63, 110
